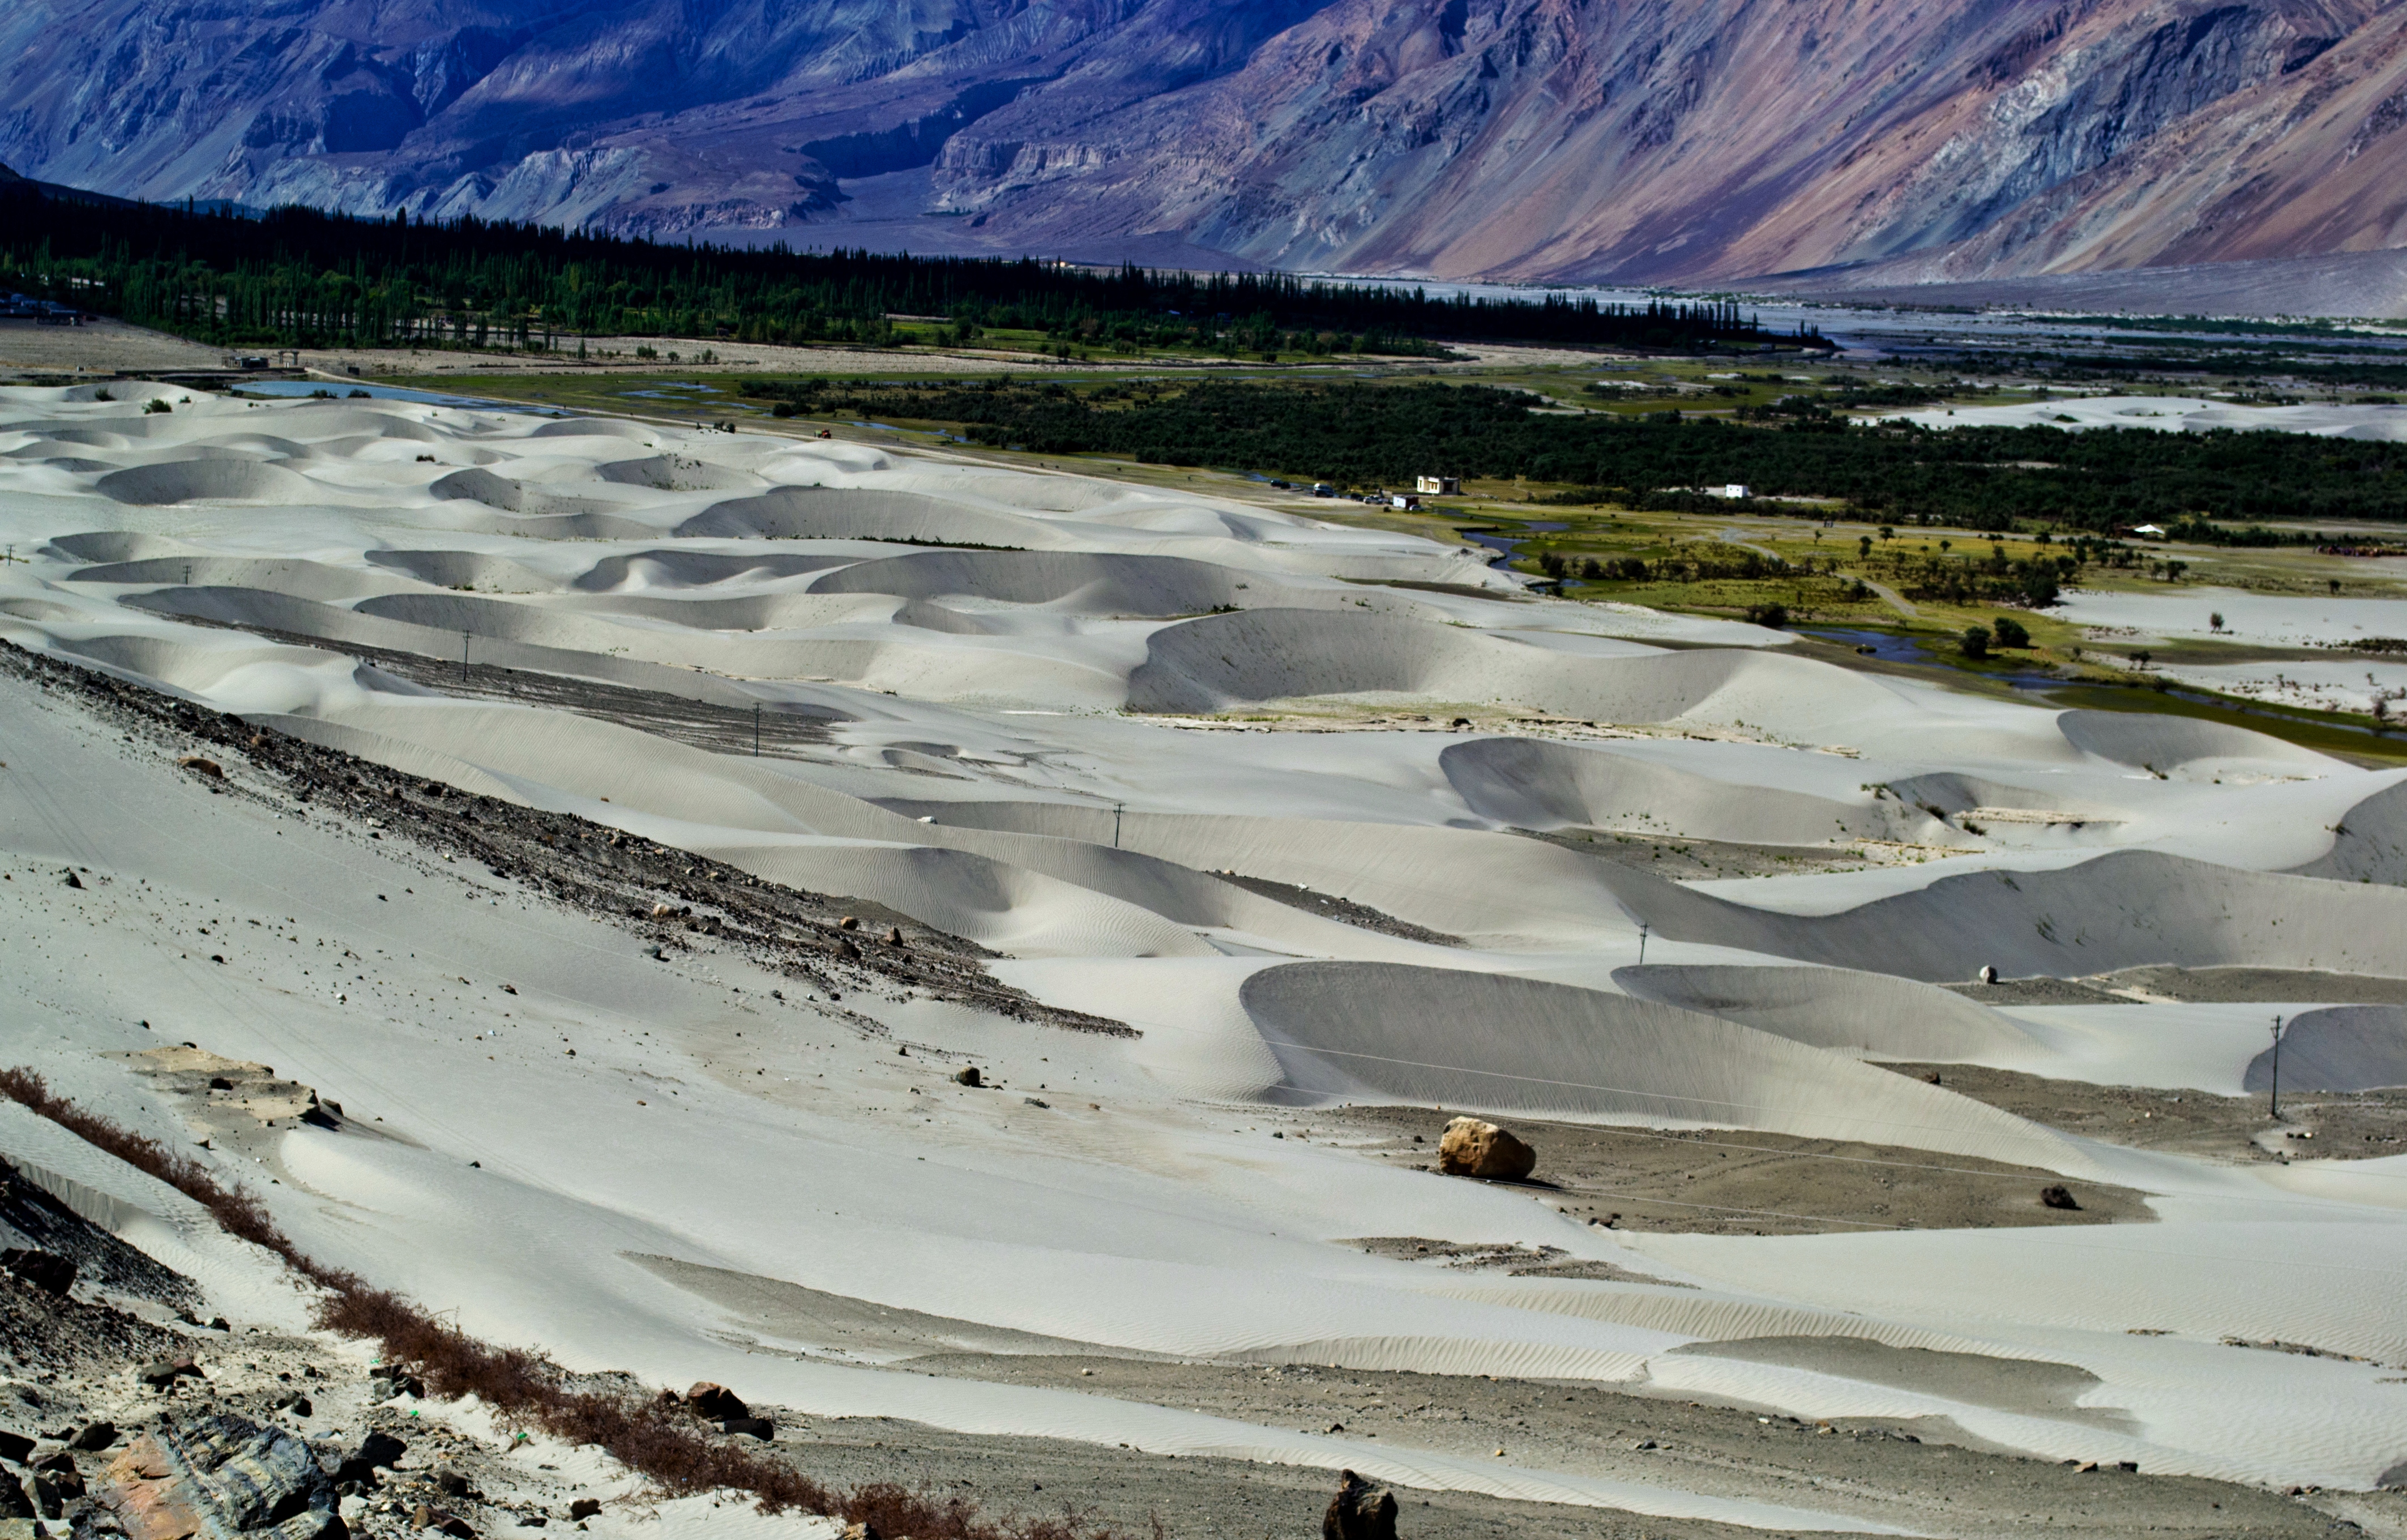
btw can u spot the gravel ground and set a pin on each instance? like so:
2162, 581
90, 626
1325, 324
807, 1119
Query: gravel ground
1737, 1182
2324, 1125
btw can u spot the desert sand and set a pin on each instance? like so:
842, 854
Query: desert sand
1042, 721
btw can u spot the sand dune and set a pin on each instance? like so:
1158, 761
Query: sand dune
1461, 1039
205, 480
2121, 910
2343, 1048
1848, 1011
976, 666
1080, 582
2369, 841
847, 513
1537, 785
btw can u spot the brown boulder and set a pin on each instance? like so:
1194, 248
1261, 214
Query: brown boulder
1474, 1149
2057, 1197
715, 1402
1359, 1511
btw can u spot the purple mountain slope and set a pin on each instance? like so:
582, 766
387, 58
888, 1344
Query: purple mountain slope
1492, 139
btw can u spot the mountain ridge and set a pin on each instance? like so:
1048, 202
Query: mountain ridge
1514, 140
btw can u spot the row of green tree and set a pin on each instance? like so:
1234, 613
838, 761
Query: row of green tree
1372, 435
297, 278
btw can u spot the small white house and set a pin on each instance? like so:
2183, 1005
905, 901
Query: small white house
1734, 489
1408, 500
1439, 486
2148, 531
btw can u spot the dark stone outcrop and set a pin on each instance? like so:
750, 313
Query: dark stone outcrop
215, 1476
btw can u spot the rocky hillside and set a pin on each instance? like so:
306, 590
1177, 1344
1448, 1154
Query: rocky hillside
1510, 138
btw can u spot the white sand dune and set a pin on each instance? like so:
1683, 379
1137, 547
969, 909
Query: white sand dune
1845, 1010
986, 658
2368, 841
1532, 784
2173, 414
1416, 1035
2341, 1048
2121, 910
213, 481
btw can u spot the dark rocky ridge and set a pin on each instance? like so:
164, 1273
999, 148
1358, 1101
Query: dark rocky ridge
1506, 138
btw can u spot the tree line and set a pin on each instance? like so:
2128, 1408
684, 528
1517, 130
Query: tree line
1372, 436
300, 277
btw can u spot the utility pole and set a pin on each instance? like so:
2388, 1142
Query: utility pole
463, 657
2275, 1109
1641, 943
1116, 823
755, 730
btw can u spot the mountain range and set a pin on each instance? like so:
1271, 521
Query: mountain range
1881, 142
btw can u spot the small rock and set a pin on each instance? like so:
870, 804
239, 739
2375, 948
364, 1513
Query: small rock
94, 1437
862, 1531
715, 1402
583, 1508
1471, 1147
73, 881
2057, 1197
758, 1427
376, 1449
968, 1075
848, 923
421, 1517
893, 935
204, 766
453, 1484
14, 1447
161, 1373
46, 1271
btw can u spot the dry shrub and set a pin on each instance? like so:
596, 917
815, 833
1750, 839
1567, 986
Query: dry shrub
654, 1439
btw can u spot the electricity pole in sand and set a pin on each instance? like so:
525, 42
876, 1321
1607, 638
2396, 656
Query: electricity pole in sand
1641, 943
2275, 1110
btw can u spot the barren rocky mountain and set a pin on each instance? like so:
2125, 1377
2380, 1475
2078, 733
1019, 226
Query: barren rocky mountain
1505, 138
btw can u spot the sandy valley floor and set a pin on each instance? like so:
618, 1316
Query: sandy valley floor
484, 852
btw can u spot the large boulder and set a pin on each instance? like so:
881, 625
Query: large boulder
1474, 1149
215, 1477
1359, 1511
715, 1402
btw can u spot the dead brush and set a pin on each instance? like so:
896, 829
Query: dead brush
652, 1438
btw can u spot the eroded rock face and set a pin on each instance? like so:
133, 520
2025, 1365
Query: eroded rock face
1474, 1149
215, 1477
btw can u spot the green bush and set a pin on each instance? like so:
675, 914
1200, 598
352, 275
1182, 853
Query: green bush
1975, 643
